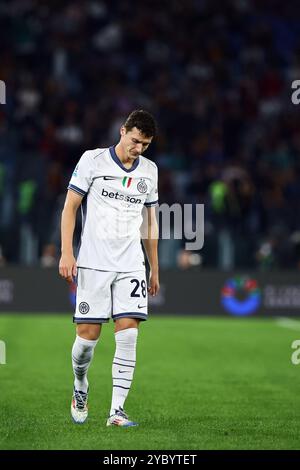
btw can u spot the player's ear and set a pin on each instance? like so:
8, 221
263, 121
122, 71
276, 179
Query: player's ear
122, 131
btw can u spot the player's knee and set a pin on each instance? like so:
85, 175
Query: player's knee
126, 323
88, 331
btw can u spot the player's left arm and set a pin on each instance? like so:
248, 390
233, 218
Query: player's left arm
150, 242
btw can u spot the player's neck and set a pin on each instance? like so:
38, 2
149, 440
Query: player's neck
124, 159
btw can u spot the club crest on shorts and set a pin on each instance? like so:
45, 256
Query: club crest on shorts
84, 308
142, 186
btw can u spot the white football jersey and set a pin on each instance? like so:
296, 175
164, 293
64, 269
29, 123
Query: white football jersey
112, 206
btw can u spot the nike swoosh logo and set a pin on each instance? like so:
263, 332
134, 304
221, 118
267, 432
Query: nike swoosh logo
142, 306
106, 178
122, 371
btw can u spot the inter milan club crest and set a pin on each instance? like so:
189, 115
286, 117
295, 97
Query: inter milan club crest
142, 187
84, 308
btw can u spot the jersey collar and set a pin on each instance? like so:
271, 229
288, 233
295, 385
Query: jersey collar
116, 159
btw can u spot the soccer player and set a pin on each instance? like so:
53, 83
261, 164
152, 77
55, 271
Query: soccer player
112, 185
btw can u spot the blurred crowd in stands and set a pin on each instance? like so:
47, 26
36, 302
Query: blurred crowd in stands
216, 75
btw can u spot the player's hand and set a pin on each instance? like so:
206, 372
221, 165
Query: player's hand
153, 288
68, 267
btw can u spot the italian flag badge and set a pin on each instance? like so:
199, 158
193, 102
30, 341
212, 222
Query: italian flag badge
126, 182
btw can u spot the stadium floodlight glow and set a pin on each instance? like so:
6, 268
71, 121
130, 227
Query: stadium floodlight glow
2, 92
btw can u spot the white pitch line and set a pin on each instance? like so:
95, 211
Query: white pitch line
288, 323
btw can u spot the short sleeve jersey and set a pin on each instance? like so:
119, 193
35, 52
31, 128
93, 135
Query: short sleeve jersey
114, 197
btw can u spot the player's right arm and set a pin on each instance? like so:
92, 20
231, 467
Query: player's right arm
67, 264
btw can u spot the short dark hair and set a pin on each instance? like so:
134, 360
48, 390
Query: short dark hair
143, 121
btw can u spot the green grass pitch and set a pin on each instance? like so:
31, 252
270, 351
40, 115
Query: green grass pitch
200, 383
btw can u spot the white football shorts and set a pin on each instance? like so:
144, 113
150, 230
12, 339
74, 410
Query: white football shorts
102, 295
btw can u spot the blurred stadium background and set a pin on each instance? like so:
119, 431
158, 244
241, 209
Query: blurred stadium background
217, 76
